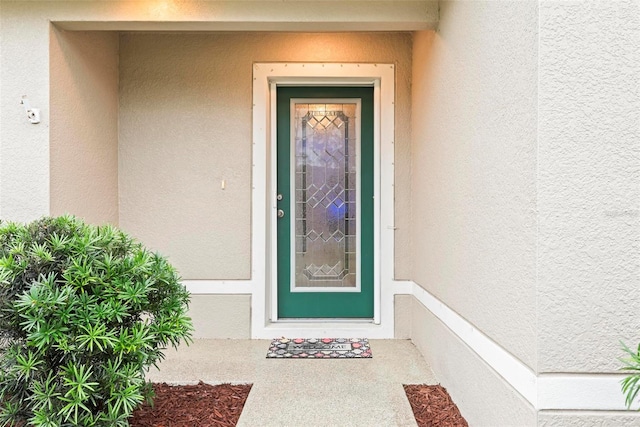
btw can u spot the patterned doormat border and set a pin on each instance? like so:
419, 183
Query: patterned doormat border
319, 348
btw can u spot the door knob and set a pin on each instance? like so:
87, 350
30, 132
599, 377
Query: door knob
280, 213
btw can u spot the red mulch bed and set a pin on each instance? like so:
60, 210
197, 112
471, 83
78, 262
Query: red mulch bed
432, 406
200, 405
204, 405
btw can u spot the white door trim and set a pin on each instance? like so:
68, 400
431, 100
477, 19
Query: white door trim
266, 77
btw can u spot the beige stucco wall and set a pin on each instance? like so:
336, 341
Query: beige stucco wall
84, 125
474, 167
24, 147
588, 184
403, 312
221, 316
185, 125
25, 32
526, 193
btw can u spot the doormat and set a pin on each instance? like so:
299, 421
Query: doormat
319, 348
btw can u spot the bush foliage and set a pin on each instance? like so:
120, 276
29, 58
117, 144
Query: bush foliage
631, 384
85, 311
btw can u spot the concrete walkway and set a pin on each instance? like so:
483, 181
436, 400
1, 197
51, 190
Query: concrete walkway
305, 392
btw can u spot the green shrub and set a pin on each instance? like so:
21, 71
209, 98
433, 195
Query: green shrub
631, 384
85, 312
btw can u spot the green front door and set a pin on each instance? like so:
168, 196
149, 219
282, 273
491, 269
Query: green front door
325, 202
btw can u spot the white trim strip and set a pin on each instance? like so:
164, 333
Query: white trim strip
547, 391
377, 196
384, 94
403, 287
228, 287
600, 392
516, 373
272, 178
340, 329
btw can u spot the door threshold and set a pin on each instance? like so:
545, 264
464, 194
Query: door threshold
327, 328
324, 321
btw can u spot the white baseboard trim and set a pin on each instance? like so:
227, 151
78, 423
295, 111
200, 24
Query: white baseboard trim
547, 391
403, 287
233, 287
516, 373
587, 392
229, 287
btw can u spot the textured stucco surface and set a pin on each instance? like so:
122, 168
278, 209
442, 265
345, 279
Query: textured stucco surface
474, 167
221, 316
24, 31
402, 311
84, 125
483, 397
24, 167
588, 184
185, 125
589, 419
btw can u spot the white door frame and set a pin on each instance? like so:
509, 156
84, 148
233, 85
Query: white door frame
266, 78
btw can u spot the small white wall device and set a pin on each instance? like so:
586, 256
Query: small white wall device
33, 114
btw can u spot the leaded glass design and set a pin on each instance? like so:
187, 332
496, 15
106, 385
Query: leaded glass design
325, 188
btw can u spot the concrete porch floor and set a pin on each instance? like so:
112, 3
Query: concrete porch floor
305, 392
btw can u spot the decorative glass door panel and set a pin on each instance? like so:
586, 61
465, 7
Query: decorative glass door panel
325, 140
324, 202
